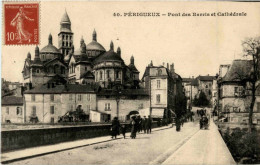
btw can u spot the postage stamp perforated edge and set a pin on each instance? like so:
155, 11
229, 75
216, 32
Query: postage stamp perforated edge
4, 2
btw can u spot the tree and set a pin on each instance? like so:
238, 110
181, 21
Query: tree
251, 48
202, 100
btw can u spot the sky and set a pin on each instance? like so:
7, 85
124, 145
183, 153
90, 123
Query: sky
196, 45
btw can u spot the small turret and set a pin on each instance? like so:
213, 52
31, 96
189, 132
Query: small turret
119, 51
111, 45
132, 60
50, 39
81, 41
29, 55
37, 52
94, 35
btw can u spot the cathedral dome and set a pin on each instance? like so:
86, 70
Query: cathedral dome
94, 45
50, 48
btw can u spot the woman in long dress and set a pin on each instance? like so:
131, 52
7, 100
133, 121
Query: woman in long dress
115, 127
133, 127
18, 21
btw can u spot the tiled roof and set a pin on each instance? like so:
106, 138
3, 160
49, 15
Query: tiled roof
68, 88
12, 100
238, 70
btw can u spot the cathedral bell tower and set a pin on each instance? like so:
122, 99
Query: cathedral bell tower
65, 36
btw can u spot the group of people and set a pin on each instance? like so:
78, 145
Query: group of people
137, 124
201, 112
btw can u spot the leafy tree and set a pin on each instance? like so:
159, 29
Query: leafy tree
202, 100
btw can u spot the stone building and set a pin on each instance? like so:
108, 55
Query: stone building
49, 102
12, 109
190, 86
165, 87
88, 64
235, 95
54, 70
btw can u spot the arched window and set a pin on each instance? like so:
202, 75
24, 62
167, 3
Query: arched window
101, 75
56, 69
117, 74
108, 73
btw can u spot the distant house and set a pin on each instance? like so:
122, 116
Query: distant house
12, 109
235, 94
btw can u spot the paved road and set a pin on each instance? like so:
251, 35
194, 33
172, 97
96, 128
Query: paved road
146, 148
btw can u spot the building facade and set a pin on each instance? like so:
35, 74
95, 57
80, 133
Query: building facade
48, 103
235, 95
12, 109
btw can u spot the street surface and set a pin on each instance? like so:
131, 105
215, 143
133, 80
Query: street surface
164, 146
142, 150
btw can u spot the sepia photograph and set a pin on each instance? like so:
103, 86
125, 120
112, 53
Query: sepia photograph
130, 82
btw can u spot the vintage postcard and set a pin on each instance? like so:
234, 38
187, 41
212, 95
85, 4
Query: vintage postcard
139, 82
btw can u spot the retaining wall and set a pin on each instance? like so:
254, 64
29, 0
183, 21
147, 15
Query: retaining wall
19, 139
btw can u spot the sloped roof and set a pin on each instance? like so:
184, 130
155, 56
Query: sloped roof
12, 100
238, 70
108, 56
133, 68
206, 78
87, 75
57, 89
186, 79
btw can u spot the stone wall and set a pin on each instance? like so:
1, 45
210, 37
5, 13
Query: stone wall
19, 139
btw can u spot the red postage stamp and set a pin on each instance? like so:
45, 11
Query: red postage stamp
21, 23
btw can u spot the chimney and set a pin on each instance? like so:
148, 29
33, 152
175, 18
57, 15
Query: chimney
168, 66
163, 64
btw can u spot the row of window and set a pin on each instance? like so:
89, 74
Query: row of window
117, 75
19, 111
79, 97
52, 109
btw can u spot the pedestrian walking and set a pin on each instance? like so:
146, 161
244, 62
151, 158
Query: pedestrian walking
133, 127
144, 124
123, 130
115, 127
149, 125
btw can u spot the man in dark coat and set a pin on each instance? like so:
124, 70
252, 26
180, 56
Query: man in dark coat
149, 125
115, 127
144, 124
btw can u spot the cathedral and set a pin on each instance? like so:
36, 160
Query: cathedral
89, 64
